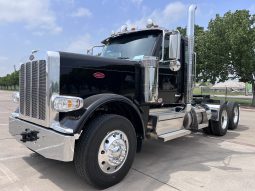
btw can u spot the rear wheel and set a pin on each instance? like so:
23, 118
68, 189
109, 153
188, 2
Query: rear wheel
208, 130
106, 150
233, 115
219, 128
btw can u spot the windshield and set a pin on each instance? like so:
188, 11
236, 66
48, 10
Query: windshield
131, 46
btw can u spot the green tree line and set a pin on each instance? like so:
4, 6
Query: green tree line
10, 79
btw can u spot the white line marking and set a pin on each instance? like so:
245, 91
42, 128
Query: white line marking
8, 173
13, 157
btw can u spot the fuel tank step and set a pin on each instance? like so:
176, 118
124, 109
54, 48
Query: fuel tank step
166, 114
166, 120
173, 135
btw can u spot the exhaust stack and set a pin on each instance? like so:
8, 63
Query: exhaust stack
190, 35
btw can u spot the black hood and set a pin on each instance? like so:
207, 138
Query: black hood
85, 75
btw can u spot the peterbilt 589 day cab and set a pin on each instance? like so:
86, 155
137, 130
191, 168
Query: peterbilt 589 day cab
97, 110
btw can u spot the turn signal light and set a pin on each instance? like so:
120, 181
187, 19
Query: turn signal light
67, 103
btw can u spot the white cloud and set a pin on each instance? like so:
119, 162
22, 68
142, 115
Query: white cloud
252, 8
5, 66
172, 13
36, 14
80, 44
82, 12
137, 2
2, 58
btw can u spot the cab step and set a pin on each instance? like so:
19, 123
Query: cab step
173, 135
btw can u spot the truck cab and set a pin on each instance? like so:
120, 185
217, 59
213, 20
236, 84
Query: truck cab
98, 110
154, 42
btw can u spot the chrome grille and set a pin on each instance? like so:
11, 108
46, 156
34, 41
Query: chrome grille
33, 89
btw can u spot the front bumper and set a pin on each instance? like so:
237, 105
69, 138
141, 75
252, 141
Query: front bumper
49, 143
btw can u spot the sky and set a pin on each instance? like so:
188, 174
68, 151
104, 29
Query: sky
76, 25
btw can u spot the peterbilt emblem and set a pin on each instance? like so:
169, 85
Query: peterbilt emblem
174, 65
31, 57
99, 75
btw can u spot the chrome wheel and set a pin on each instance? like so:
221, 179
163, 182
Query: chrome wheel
224, 119
236, 115
113, 151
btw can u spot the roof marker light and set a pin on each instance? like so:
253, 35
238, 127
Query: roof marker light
124, 28
149, 23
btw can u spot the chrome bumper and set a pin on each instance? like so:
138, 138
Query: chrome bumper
49, 144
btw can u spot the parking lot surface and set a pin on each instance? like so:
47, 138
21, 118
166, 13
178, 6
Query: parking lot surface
195, 162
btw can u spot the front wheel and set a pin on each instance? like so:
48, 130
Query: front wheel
106, 150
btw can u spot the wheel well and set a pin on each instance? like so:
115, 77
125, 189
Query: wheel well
123, 109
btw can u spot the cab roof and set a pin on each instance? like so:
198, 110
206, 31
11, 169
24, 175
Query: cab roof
132, 32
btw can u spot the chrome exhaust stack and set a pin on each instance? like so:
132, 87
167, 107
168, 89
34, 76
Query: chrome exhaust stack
190, 35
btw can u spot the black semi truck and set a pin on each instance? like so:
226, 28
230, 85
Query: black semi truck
98, 110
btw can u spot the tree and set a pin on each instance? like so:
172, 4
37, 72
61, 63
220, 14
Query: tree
10, 79
233, 39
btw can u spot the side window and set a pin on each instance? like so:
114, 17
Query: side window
166, 47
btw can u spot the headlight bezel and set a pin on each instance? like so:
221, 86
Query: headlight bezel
66, 103
16, 97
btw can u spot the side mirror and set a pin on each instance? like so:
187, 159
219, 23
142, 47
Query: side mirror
97, 52
90, 52
174, 46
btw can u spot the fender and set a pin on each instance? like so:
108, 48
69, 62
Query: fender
93, 102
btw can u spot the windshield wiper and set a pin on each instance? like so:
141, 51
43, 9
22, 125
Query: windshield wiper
123, 58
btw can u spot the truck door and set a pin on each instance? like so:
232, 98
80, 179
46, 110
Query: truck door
169, 81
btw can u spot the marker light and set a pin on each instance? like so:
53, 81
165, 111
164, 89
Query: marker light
149, 23
124, 28
15, 97
67, 103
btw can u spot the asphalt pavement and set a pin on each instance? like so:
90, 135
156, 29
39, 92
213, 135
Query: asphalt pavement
193, 163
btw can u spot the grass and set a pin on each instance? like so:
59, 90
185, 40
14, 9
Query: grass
207, 91
241, 101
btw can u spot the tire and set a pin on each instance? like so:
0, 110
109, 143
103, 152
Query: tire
233, 115
91, 149
208, 130
219, 128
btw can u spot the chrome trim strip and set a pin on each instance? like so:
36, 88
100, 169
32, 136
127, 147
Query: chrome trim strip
163, 45
53, 83
56, 126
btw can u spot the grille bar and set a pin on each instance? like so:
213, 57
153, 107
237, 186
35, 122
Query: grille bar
33, 90
22, 88
28, 89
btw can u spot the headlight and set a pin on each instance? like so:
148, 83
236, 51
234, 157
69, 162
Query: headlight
15, 97
67, 103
